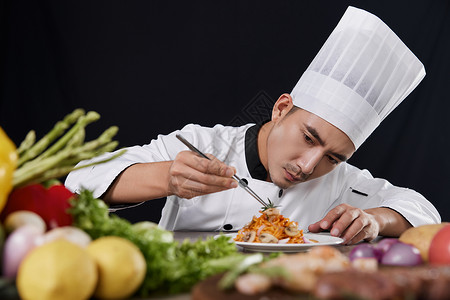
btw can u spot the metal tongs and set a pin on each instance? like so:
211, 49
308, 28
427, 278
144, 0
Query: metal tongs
242, 183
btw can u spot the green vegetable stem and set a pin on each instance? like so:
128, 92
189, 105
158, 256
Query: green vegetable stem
58, 152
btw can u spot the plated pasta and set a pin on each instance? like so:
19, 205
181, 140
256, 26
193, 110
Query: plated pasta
271, 227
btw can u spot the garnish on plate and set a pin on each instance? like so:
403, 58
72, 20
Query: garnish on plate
271, 227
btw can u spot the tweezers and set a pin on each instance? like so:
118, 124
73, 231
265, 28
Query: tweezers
242, 183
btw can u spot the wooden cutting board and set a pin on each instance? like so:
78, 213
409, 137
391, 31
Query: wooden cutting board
208, 290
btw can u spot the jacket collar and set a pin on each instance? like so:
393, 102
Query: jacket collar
254, 165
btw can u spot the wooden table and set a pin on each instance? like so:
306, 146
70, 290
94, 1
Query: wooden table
195, 235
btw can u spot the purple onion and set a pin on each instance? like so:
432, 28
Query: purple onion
365, 251
401, 254
386, 243
17, 245
306, 240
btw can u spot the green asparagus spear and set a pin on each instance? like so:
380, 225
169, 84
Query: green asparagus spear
81, 123
29, 140
77, 139
41, 162
56, 132
32, 169
73, 160
62, 171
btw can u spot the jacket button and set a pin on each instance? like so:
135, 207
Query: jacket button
227, 226
244, 180
280, 193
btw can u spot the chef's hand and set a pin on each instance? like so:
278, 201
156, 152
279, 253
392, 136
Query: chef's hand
350, 223
191, 175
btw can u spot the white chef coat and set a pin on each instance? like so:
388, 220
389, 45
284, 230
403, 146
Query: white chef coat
305, 203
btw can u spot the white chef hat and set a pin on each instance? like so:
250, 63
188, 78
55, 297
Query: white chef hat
361, 73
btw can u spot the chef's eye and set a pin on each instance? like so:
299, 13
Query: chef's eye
332, 160
308, 139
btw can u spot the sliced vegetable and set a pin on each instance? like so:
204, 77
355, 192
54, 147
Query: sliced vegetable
306, 240
401, 254
18, 244
283, 241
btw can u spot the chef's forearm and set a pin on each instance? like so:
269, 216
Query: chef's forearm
391, 223
140, 182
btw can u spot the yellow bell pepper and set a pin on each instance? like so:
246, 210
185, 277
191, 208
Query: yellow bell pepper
8, 163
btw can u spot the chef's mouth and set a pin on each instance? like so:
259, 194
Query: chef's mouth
293, 178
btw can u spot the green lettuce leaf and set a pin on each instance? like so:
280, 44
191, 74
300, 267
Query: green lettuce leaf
172, 266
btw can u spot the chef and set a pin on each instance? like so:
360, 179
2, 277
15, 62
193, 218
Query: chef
297, 159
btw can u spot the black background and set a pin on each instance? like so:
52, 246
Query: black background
151, 67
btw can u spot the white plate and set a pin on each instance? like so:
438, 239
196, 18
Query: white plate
322, 238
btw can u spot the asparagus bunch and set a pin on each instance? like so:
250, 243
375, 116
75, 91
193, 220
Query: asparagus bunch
51, 158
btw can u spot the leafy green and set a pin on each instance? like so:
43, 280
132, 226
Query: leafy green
172, 266
270, 205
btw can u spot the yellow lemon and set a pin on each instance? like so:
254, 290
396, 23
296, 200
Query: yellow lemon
121, 267
57, 270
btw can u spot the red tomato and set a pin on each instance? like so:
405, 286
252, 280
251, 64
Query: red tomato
439, 252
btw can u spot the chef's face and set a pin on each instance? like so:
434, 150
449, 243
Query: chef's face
302, 146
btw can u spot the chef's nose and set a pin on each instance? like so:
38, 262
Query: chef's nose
309, 160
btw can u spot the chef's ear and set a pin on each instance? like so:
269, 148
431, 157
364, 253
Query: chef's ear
283, 105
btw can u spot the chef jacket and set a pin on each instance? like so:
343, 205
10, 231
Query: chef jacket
306, 202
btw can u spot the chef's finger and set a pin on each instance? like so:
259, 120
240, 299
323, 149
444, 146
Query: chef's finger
215, 166
208, 185
315, 228
331, 217
189, 189
213, 180
208, 166
357, 230
351, 217
185, 187
181, 171
361, 235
